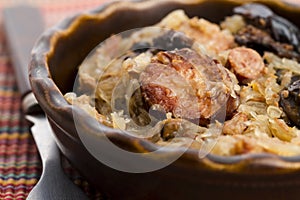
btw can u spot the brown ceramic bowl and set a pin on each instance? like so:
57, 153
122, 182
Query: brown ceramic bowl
53, 69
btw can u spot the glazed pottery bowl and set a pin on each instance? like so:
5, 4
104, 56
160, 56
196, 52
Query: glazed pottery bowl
53, 70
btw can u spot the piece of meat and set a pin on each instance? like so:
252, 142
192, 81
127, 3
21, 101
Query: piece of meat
161, 95
232, 105
245, 63
164, 88
236, 125
187, 84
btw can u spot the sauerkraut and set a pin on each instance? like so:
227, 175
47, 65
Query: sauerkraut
181, 82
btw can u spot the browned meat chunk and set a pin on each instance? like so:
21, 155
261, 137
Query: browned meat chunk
158, 94
187, 84
236, 125
164, 88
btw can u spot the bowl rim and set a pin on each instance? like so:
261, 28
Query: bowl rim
56, 108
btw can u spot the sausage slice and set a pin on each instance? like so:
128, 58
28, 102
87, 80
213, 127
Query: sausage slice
187, 84
245, 63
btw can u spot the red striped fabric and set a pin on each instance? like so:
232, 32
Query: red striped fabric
20, 165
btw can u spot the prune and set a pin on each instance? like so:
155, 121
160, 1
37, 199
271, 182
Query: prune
285, 32
253, 13
172, 40
137, 109
140, 47
290, 101
261, 41
170, 128
282, 37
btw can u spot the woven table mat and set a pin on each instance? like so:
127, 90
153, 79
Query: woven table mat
20, 165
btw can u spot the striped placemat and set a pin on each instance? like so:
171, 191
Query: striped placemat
20, 165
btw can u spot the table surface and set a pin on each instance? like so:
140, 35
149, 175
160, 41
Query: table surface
20, 165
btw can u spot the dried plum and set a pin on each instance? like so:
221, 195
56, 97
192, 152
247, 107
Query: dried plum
290, 101
255, 14
170, 128
261, 41
140, 47
280, 35
137, 109
285, 32
172, 40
